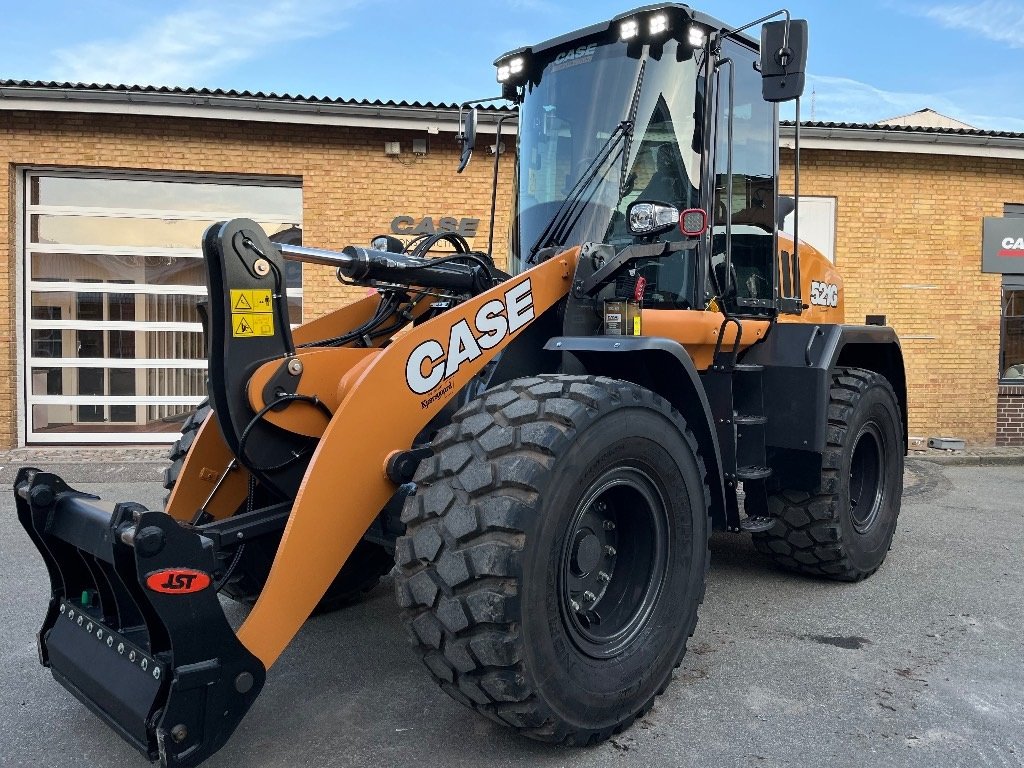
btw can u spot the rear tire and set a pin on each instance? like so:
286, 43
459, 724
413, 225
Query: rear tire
361, 573
549, 503
845, 530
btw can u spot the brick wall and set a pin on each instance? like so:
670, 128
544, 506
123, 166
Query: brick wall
1010, 416
908, 243
351, 190
908, 235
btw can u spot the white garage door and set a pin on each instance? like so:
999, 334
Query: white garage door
113, 345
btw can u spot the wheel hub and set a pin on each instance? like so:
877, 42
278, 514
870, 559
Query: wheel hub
614, 562
867, 478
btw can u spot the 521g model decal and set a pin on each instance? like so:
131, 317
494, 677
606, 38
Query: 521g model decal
432, 362
824, 294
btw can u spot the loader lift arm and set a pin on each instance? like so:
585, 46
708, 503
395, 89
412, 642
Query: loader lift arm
129, 586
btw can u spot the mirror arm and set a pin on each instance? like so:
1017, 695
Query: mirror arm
769, 17
494, 181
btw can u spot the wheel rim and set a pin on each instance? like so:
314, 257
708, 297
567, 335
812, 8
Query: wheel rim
867, 477
614, 562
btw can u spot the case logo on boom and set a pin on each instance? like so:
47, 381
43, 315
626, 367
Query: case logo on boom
177, 581
824, 294
432, 362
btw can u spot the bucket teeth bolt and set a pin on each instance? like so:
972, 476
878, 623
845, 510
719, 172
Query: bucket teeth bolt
71, 613
80, 620
156, 673
131, 656
88, 627
120, 648
110, 641
99, 634
144, 664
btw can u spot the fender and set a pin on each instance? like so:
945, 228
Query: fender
799, 359
662, 366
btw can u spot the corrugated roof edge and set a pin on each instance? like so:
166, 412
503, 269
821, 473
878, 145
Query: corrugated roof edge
40, 85
905, 129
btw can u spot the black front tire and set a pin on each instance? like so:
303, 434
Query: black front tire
502, 547
845, 530
363, 570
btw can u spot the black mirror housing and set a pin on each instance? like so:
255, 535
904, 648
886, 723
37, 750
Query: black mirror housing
783, 60
467, 138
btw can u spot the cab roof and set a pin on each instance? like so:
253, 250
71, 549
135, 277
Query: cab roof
604, 27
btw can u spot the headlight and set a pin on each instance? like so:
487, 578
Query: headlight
629, 29
651, 218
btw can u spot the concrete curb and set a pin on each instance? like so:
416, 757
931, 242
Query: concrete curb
972, 461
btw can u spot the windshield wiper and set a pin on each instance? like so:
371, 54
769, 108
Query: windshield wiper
556, 228
572, 207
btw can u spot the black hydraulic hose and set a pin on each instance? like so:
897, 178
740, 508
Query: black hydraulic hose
284, 398
279, 293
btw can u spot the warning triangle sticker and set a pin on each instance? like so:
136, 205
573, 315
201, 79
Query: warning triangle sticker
242, 303
243, 328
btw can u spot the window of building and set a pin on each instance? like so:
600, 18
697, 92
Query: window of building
817, 224
1011, 354
113, 271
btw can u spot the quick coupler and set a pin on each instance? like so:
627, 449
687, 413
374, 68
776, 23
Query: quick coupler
134, 628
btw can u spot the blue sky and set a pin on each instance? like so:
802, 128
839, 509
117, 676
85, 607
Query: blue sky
869, 59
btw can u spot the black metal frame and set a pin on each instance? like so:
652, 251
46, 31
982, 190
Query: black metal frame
129, 652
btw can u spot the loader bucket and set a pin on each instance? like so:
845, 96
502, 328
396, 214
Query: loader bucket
128, 588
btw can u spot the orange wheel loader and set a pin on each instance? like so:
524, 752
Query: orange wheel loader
541, 453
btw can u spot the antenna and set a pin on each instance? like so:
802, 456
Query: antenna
814, 104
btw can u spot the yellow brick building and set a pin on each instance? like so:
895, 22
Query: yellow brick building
107, 190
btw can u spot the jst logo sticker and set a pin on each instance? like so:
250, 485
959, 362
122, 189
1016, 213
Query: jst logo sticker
177, 581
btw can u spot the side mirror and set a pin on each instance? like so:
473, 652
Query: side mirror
783, 59
467, 138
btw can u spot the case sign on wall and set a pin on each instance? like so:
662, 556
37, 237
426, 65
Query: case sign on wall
1002, 249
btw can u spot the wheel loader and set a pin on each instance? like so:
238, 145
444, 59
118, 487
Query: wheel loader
540, 453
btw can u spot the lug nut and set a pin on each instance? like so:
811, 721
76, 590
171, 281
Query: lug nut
589, 596
609, 525
603, 577
575, 606
610, 551
601, 506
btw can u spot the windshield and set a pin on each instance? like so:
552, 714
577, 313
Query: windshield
566, 120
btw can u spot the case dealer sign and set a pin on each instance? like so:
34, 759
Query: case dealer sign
1002, 248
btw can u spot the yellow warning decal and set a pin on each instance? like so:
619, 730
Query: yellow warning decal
252, 325
636, 325
252, 313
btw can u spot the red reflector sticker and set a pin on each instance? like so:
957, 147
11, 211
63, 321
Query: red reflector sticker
177, 581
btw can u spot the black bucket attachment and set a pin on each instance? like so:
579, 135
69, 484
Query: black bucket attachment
134, 628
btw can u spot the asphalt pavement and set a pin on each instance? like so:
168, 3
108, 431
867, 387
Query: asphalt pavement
920, 665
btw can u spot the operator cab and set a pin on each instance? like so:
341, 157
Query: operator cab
659, 105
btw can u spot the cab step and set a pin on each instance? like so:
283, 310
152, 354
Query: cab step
753, 473
756, 524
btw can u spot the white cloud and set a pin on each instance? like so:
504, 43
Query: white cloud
998, 20
842, 100
187, 47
